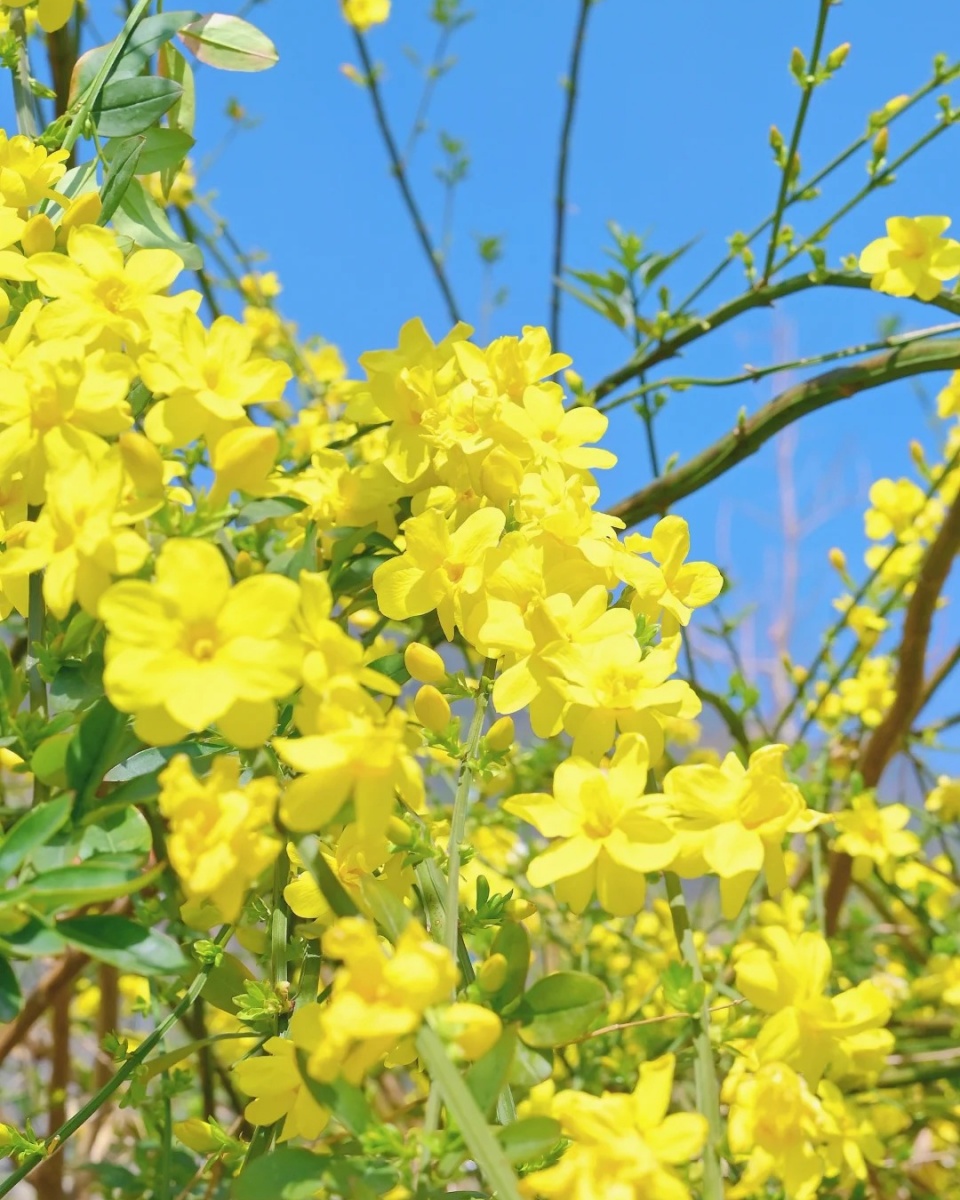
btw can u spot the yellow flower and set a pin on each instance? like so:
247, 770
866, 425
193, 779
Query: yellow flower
775, 1123
944, 800
28, 171
275, 1082
471, 1028
732, 820
221, 836
686, 585
189, 650
57, 402
873, 836
871, 692
809, 1030
378, 1000
208, 379
623, 1145
51, 14
439, 566
609, 836
362, 14
948, 400
80, 539
99, 297
900, 507
913, 259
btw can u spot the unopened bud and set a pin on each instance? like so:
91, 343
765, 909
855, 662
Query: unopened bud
838, 560
492, 973
798, 64
196, 1135
881, 142
432, 708
424, 663
836, 58
917, 454
39, 235
519, 910
500, 734
399, 832
471, 1028
776, 140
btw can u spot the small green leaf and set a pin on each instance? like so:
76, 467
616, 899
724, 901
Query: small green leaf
513, 942
265, 510
100, 742
128, 106
154, 758
276, 1173
529, 1139
145, 223
561, 1008
226, 981
147, 38
161, 148
488, 1076
33, 830
33, 939
121, 168
11, 998
49, 761
124, 831
123, 944
88, 882
391, 665
229, 43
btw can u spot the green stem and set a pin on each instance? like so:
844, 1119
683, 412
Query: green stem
36, 623
808, 85
461, 803
752, 432
23, 97
705, 1070
152, 1040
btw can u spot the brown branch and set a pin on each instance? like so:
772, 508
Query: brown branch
888, 737
48, 1178
753, 432
40, 999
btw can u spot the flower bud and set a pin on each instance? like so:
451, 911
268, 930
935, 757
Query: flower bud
196, 1135
881, 142
471, 1028
39, 235
836, 58
500, 734
399, 832
492, 973
519, 910
432, 708
838, 560
424, 663
798, 64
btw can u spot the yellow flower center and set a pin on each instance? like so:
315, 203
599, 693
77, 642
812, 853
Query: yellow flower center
455, 571
112, 293
200, 641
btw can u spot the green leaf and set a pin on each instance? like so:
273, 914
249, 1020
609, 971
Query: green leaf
480, 1140
265, 510
88, 882
11, 998
229, 43
513, 942
161, 148
123, 944
172, 65
226, 981
488, 1076
276, 1173
529, 1139
128, 106
49, 761
121, 168
100, 742
530, 1067
33, 830
34, 939
154, 758
391, 665
124, 831
347, 1103
144, 222
145, 40
680, 989
560, 1008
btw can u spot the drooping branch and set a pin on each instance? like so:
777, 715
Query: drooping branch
747, 437
888, 737
758, 297
571, 83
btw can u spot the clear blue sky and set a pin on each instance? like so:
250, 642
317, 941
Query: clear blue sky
670, 140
